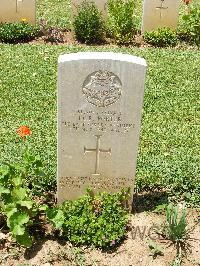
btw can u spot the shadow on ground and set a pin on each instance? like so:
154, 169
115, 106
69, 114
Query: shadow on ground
148, 201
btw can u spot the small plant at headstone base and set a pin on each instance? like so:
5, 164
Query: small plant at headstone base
191, 24
100, 220
17, 32
162, 37
155, 249
88, 23
50, 34
177, 231
16, 203
120, 22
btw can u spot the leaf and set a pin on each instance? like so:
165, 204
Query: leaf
160, 208
43, 207
155, 248
24, 240
4, 190
16, 222
4, 170
18, 230
10, 209
56, 216
26, 203
19, 193
17, 180
37, 162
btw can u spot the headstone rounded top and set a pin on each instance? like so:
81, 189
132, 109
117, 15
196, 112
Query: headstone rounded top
103, 56
100, 96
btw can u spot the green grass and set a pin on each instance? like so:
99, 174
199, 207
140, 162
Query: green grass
55, 12
169, 147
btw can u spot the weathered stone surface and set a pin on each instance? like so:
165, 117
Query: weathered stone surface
100, 98
159, 14
16, 10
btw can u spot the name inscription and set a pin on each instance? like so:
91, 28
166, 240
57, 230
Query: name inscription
102, 121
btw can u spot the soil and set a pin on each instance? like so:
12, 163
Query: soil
67, 37
134, 251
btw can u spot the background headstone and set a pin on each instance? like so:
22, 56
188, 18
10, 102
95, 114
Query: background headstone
101, 4
16, 10
100, 98
159, 14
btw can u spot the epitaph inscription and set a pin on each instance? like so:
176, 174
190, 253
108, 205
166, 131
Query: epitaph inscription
74, 183
102, 88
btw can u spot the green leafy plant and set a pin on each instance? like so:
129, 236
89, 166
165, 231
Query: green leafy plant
177, 261
176, 230
161, 37
155, 249
120, 21
49, 33
88, 23
16, 203
17, 32
191, 25
92, 220
160, 208
79, 257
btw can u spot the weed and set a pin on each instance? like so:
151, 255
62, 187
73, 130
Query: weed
155, 249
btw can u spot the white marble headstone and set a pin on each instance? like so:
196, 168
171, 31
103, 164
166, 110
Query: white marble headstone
16, 10
100, 97
160, 14
101, 4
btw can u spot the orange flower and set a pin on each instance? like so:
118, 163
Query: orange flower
23, 131
187, 2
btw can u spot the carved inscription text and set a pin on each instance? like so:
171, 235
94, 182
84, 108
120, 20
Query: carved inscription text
101, 121
106, 184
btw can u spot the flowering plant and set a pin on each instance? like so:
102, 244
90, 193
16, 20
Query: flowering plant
187, 2
23, 132
16, 201
17, 32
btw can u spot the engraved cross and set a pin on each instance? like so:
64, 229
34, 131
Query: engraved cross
161, 7
16, 4
98, 151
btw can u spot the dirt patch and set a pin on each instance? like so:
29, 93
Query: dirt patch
134, 251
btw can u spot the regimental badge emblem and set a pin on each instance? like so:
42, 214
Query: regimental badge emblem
102, 88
